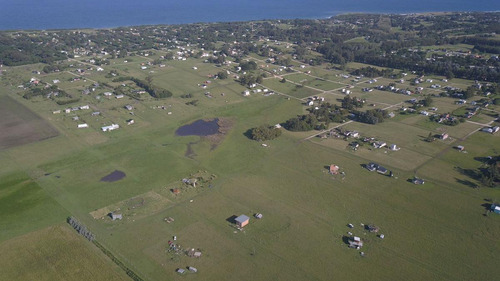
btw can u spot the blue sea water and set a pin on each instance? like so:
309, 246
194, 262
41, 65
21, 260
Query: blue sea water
59, 14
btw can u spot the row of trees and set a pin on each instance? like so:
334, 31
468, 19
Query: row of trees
80, 228
147, 85
372, 72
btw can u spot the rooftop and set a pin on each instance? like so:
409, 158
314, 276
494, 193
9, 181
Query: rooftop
242, 218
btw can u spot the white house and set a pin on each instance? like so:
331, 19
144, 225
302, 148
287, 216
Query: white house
110, 128
379, 144
84, 125
393, 147
84, 107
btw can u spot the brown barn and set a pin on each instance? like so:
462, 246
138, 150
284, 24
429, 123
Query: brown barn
334, 169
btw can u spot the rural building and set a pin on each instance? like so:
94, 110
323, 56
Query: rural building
110, 128
393, 147
376, 167
371, 167
130, 121
491, 130
418, 181
381, 170
84, 107
116, 216
56, 111
355, 242
180, 270
192, 269
119, 96
379, 144
84, 125
334, 169
460, 148
444, 136
258, 215
129, 107
495, 208
242, 220
197, 254
373, 228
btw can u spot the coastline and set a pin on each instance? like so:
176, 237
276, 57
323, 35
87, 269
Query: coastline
333, 15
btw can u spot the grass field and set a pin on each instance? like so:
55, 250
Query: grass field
55, 253
289, 88
19, 125
435, 231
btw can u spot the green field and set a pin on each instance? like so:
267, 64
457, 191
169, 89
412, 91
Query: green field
436, 231
55, 253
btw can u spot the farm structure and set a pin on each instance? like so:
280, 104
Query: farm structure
110, 127
334, 169
242, 220
116, 216
355, 242
376, 167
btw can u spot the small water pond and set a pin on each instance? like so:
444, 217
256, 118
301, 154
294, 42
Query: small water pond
114, 176
199, 128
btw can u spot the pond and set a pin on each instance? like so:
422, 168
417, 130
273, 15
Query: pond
199, 128
114, 176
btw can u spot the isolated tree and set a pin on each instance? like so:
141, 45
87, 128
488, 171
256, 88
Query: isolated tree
430, 137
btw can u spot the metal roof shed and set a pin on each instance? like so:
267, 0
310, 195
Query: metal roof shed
242, 220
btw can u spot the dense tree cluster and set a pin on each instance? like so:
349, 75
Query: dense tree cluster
317, 119
52, 92
427, 101
305, 122
490, 175
264, 132
372, 116
222, 75
351, 103
250, 65
249, 79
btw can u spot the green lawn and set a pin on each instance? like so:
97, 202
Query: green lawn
55, 253
288, 88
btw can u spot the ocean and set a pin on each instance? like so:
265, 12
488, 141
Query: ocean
65, 14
